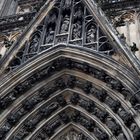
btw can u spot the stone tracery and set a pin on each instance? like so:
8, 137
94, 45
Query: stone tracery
72, 28
69, 91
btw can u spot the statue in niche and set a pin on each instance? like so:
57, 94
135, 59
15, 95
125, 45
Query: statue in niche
77, 30
67, 4
65, 24
79, 12
33, 47
52, 18
91, 34
50, 36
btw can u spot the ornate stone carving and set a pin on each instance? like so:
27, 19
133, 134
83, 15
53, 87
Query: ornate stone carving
73, 135
60, 83
31, 124
61, 100
15, 21
65, 24
7, 100
22, 133
113, 126
50, 129
100, 134
78, 12
50, 36
47, 111
91, 34
67, 4
87, 105
137, 135
77, 30
4, 130
75, 98
64, 117
33, 47
29, 104
71, 82
134, 48
87, 87
102, 115
101, 95
126, 117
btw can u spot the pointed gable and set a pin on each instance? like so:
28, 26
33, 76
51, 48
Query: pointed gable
72, 23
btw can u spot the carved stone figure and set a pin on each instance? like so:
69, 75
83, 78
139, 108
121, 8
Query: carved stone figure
33, 47
50, 36
100, 134
134, 48
67, 4
49, 109
126, 117
79, 12
114, 83
113, 126
60, 84
100, 74
76, 116
75, 98
87, 105
102, 115
77, 30
5, 102
65, 24
91, 34
61, 100
30, 103
71, 82
73, 135
52, 18
21, 134
101, 95
4, 130
122, 37
14, 118
64, 117
87, 87
51, 127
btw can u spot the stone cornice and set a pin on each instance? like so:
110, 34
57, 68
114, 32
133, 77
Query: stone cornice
8, 23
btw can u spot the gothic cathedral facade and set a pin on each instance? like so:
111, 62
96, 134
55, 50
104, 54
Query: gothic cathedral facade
69, 70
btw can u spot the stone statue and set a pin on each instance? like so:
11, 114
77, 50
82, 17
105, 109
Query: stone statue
65, 24
91, 34
33, 47
77, 30
67, 4
134, 48
75, 98
50, 36
52, 18
122, 37
79, 12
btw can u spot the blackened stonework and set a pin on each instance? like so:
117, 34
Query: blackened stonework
66, 73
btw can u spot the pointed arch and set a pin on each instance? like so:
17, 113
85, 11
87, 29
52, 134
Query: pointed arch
90, 75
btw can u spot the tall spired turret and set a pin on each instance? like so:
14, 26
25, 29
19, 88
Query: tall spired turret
68, 71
